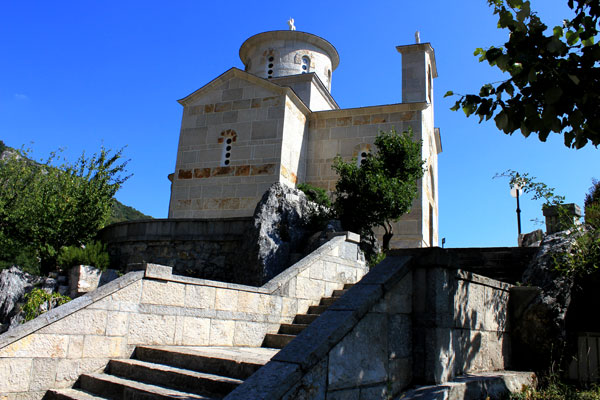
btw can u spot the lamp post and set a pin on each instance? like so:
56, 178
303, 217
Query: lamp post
515, 191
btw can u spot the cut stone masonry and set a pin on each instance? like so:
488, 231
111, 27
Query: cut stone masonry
410, 320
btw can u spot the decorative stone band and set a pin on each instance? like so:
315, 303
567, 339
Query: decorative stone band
271, 101
238, 170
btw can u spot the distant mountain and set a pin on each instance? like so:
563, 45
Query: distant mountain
120, 212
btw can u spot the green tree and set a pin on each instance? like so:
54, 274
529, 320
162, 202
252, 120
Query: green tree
592, 205
554, 82
44, 206
382, 188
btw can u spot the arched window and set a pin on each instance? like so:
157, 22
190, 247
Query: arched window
429, 84
305, 64
432, 182
270, 66
361, 152
362, 157
227, 140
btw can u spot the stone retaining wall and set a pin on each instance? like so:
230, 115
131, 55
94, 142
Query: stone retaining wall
154, 307
505, 264
405, 322
207, 248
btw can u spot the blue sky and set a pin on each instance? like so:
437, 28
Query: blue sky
79, 74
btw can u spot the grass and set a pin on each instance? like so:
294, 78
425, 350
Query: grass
553, 388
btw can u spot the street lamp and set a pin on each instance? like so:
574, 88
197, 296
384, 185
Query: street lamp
516, 191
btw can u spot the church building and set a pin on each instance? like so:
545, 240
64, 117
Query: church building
277, 121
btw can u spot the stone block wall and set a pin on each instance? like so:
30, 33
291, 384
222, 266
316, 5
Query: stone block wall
252, 118
207, 248
460, 324
505, 264
349, 132
405, 322
154, 307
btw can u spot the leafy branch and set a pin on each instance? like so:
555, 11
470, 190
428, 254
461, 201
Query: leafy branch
554, 80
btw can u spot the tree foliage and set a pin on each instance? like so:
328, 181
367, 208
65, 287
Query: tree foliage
554, 83
46, 206
382, 188
592, 205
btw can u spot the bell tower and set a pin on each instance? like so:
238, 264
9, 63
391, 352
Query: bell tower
418, 72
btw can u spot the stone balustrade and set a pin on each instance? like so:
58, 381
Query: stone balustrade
411, 319
154, 307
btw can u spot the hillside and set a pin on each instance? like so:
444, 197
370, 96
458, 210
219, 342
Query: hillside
120, 212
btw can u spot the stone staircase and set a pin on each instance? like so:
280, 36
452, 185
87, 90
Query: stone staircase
287, 332
186, 372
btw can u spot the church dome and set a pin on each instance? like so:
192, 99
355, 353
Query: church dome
283, 53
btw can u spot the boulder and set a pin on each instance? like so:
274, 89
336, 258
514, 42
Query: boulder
539, 310
85, 278
279, 230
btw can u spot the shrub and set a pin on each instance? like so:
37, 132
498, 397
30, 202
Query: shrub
553, 388
93, 254
321, 213
315, 194
38, 302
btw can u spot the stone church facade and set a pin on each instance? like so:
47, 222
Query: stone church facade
277, 122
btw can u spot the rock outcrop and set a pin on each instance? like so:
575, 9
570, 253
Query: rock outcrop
539, 316
14, 284
282, 232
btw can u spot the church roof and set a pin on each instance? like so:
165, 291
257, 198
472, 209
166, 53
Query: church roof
238, 73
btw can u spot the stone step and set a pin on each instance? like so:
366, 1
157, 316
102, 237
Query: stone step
291, 329
277, 340
114, 387
305, 319
339, 293
327, 301
316, 309
233, 362
180, 379
348, 285
70, 394
482, 385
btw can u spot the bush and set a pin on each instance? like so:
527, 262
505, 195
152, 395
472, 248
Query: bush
552, 388
315, 194
38, 302
93, 254
322, 212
